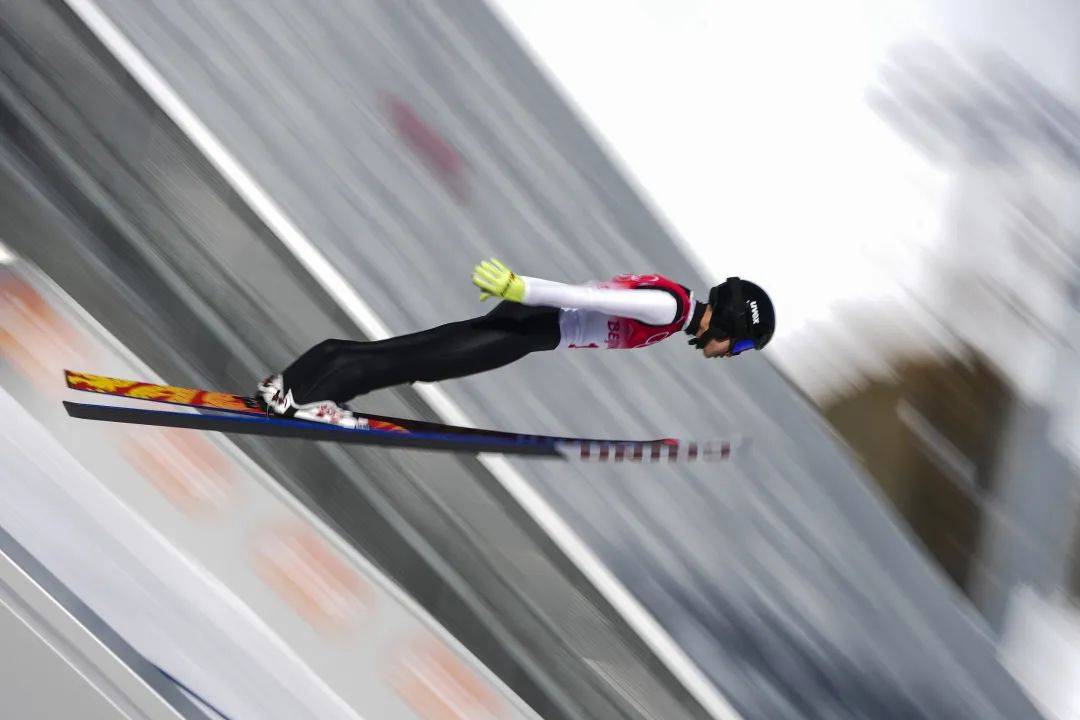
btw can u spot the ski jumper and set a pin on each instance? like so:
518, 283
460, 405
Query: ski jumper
628, 311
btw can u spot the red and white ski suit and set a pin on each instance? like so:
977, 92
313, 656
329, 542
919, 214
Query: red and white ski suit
627, 311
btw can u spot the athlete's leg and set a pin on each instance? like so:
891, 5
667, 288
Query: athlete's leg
342, 369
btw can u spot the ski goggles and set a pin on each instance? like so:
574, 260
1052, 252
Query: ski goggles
741, 346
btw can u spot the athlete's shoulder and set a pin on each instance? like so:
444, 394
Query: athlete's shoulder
655, 281
644, 280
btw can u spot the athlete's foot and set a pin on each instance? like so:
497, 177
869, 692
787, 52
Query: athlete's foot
276, 400
271, 394
323, 411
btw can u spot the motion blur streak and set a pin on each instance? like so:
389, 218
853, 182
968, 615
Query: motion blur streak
273, 198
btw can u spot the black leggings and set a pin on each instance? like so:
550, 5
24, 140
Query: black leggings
339, 370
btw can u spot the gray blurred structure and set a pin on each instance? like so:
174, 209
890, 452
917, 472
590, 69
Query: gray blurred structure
407, 140
1007, 281
59, 660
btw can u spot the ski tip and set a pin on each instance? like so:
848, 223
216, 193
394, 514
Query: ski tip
76, 379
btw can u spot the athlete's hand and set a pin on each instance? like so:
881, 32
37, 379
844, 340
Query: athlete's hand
496, 280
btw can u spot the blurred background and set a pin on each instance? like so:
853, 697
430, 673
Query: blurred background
194, 193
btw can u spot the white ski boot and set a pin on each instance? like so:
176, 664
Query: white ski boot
271, 393
276, 400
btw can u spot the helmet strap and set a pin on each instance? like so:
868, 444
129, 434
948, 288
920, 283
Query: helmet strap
695, 320
710, 334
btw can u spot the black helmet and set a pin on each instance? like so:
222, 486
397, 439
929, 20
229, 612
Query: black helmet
741, 311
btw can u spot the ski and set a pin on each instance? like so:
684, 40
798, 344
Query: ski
242, 414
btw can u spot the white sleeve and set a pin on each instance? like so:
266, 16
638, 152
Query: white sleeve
655, 307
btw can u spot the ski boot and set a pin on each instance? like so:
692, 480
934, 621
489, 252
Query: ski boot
276, 400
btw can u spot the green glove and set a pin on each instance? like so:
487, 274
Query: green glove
495, 279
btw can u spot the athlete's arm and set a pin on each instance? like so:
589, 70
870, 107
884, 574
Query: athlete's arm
654, 307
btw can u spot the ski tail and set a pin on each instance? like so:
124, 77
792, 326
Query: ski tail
651, 450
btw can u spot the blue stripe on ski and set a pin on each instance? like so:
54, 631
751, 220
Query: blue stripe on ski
285, 427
